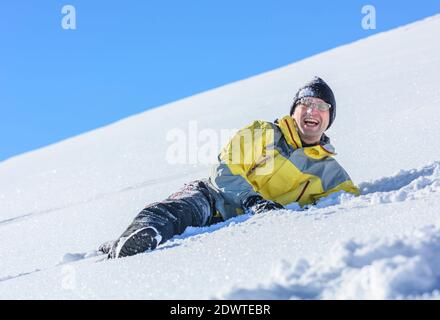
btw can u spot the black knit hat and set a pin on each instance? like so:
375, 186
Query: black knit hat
317, 88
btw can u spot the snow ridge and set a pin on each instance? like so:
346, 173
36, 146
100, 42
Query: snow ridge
402, 268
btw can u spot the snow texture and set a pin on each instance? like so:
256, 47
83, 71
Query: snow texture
403, 268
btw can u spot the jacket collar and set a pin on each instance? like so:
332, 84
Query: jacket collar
289, 129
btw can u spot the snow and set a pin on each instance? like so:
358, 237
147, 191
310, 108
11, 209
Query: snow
407, 267
59, 203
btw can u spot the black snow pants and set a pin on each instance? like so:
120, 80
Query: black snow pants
193, 205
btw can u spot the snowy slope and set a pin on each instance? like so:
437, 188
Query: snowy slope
71, 196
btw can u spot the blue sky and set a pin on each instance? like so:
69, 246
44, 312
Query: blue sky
128, 56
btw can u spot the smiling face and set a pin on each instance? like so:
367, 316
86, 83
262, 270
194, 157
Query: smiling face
311, 122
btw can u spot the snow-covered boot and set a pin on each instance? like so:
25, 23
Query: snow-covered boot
139, 241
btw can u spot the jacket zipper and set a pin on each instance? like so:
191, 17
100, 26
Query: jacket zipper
303, 191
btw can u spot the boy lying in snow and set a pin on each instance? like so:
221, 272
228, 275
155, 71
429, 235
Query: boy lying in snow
263, 167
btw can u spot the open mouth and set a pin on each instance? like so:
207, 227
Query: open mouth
310, 122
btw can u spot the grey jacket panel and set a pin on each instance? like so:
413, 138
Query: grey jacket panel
229, 190
328, 170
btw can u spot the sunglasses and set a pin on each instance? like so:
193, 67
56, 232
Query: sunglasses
309, 103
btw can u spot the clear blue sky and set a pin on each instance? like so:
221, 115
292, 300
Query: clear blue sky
128, 56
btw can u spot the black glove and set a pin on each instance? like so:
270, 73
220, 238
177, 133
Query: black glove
257, 204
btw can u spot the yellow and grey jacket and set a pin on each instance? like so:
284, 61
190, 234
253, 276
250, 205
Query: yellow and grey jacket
268, 159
